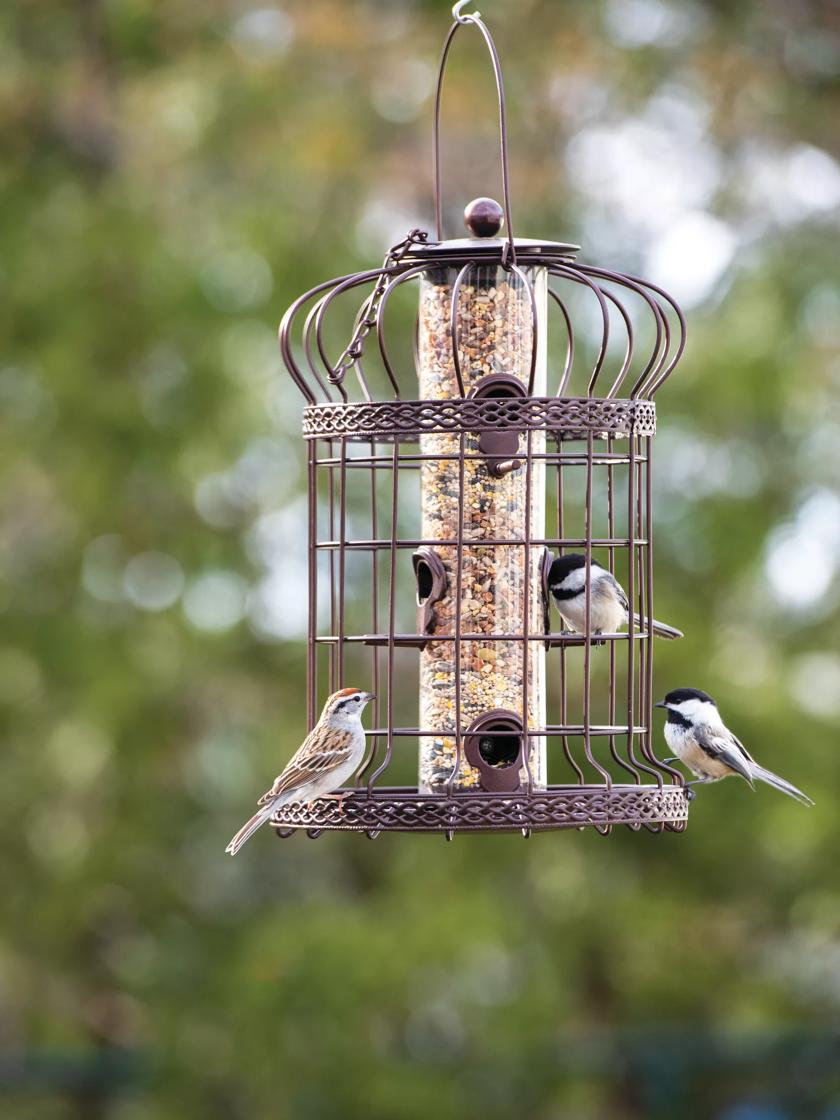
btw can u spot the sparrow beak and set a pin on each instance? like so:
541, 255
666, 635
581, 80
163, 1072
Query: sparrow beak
660, 704
368, 696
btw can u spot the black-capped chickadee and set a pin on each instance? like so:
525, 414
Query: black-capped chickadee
608, 608
701, 740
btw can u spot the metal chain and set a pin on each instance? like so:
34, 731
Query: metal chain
369, 309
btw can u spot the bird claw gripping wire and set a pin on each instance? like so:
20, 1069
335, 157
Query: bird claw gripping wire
367, 313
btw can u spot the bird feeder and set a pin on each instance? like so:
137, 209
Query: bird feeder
438, 497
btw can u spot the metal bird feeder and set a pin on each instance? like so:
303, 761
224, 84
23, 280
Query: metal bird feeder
437, 505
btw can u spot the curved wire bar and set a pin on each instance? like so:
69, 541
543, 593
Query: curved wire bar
535, 324
335, 376
650, 390
660, 350
667, 347
579, 278
308, 327
454, 333
330, 289
357, 363
392, 284
570, 344
628, 352
284, 333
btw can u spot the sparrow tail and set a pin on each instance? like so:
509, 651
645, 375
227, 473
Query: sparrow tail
661, 629
248, 830
780, 784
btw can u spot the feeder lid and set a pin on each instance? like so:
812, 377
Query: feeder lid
484, 218
491, 247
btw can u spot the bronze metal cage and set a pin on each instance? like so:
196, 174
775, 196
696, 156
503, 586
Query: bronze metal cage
433, 521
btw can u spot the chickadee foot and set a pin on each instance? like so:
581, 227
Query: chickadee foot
690, 794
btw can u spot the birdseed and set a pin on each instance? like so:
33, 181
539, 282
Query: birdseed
495, 336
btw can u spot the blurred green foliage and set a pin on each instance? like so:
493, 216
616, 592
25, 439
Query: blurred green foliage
173, 175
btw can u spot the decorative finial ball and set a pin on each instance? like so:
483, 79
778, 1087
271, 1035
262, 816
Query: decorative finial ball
484, 217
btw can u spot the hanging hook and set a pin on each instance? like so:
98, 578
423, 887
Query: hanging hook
456, 12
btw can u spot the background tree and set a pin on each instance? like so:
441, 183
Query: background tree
172, 176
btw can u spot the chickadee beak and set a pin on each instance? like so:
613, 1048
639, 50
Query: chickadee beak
660, 704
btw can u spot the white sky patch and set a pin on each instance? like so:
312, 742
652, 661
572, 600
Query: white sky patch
691, 466
153, 581
691, 256
266, 471
216, 601
217, 501
814, 681
278, 605
803, 556
383, 222
399, 90
813, 178
649, 170
262, 34
786, 186
645, 23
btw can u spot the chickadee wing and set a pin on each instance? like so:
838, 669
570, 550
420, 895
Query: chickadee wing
318, 755
618, 590
741, 747
723, 746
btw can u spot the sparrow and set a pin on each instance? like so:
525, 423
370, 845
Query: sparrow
330, 754
701, 740
609, 608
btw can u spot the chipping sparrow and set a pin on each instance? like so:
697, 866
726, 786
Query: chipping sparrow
330, 754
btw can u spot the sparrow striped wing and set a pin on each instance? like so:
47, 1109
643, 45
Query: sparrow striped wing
723, 746
319, 754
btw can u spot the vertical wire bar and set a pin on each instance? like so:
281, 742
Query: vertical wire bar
526, 630
631, 629
564, 700
645, 622
312, 562
342, 556
459, 564
648, 531
392, 592
613, 683
374, 614
374, 576
587, 643
677, 777
645, 617
631, 621
331, 495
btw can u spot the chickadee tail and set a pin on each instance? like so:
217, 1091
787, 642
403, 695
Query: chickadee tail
661, 629
780, 784
248, 830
